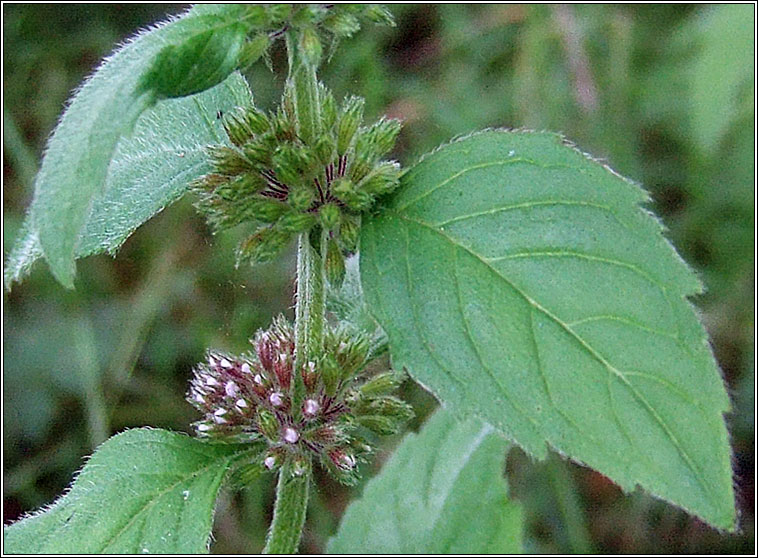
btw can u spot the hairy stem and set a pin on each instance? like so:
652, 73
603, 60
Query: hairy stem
289, 512
310, 316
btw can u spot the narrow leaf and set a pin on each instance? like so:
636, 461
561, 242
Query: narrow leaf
150, 169
441, 492
142, 491
521, 282
103, 110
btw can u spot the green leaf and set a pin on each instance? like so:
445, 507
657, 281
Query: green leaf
103, 110
198, 63
149, 170
522, 282
142, 491
441, 492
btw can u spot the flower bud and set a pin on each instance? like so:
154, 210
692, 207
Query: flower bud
324, 150
328, 107
266, 210
310, 408
342, 24
383, 134
283, 124
382, 180
345, 191
255, 14
301, 466
276, 399
262, 246
247, 184
349, 233
352, 354
267, 424
258, 154
381, 425
310, 46
330, 370
362, 162
256, 120
378, 14
350, 119
296, 222
278, 13
301, 197
237, 128
253, 49
387, 406
290, 435
228, 161
330, 216
335, 264
381, 384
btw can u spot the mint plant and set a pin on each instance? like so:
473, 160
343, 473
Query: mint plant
515, 277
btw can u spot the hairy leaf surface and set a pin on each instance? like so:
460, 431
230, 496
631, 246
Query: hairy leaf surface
441, 492
149, 170
142, 491
522, 282
102, 111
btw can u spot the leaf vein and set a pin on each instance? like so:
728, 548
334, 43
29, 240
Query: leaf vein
586, 346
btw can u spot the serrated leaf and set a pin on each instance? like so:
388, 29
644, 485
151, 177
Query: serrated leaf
142, 491
441, 492
103, 110
522, 282
150, 169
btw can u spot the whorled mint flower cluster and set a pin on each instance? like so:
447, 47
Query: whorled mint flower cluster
324, 411
286, 183
330, 22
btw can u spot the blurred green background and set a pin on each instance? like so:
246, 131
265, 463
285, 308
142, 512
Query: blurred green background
663, 93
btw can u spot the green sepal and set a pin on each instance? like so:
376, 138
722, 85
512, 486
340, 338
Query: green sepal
329, 214
262, 246
349, 233
335, 264
268, 424
266, 210
228, 161
382, 180
310, 46
381, 384
342, 24
296, 222
301, 197
253, 49
381, 136
349, 121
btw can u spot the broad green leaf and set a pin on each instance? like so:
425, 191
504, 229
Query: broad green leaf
142, 491
150, 169
441, 492
103, 110
522, 282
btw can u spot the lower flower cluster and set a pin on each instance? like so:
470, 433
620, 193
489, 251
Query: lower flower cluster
326, 410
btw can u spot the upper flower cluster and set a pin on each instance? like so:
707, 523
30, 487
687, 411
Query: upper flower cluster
288, 184
316, 412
